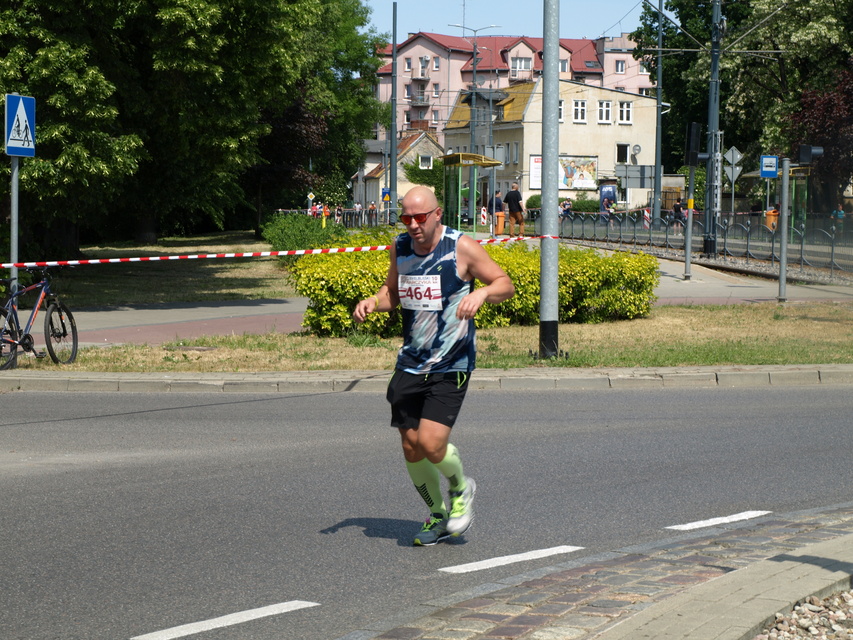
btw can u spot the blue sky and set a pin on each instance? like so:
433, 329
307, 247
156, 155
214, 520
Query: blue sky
589, 19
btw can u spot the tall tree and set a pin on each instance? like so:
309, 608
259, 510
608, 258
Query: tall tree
771, 52
48, 51
151, 111
825, 119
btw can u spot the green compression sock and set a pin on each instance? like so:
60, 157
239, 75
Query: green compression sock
451, 468
428, 483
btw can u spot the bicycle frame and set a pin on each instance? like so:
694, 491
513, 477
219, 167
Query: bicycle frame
12, 305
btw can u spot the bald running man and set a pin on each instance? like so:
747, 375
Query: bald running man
431, 276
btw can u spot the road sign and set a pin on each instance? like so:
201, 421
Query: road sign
386, 194
20, 126
636, 176
733, 171
769, 166
311, 195
733, 156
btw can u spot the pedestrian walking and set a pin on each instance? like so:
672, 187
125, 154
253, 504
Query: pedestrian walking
515, 208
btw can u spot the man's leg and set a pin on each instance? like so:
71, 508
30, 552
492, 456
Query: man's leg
420, 447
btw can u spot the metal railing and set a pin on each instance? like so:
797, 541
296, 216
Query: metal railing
811, 243
350, 218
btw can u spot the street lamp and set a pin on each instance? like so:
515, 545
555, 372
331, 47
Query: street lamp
473, 119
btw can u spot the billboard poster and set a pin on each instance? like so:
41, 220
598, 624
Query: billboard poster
575, 172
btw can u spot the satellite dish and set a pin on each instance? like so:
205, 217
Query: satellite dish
636, 149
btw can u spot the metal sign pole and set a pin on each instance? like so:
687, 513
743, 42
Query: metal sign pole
13, 248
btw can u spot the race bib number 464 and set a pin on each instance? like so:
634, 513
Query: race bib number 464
420, 293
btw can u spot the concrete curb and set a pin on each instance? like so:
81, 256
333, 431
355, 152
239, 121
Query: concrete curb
531, 379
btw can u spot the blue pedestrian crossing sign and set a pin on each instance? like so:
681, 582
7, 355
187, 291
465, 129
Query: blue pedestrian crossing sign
20, 126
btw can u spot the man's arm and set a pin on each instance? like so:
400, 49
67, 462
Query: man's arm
386, 298
475, 263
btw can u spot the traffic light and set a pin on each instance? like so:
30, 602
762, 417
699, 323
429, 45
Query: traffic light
691, 146
809, 153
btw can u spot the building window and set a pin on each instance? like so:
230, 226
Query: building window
407, 92
564, 66
425, 162
579, 112
435, 91
520, 64
620, 66
644, 69
621, 153
625, 110
408, 64
436, 64
408, 118
604, 112
647, 91
560, 110
515, 154
435, 116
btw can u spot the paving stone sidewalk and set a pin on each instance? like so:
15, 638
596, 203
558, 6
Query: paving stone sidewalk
644, 591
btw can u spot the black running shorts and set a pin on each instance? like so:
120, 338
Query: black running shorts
437, 397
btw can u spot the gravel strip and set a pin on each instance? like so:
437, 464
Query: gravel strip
814, 619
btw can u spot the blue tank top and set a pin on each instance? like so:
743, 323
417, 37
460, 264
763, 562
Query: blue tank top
434, 341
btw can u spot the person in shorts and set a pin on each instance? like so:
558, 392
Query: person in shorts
431, 276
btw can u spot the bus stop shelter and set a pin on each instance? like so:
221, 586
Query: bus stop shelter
455, 192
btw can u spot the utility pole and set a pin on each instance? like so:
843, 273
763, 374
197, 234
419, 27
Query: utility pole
549, 311
659, 111
392, 160
472, 121
712, 203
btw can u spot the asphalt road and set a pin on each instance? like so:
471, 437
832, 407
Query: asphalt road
128, 514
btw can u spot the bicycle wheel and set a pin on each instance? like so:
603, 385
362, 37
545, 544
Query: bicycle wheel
60, 333
8, 331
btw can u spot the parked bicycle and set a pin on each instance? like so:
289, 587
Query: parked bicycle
60, 330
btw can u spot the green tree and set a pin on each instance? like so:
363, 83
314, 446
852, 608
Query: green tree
314, 143
771, 53
83, 154
150, 114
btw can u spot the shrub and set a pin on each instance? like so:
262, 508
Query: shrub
294, 231
534, 201
591, 288
335, 282
583, 204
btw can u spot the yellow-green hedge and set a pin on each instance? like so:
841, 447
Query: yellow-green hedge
591, 288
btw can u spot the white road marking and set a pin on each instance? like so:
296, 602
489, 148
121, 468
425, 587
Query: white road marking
226, 621
746, 515
503, 560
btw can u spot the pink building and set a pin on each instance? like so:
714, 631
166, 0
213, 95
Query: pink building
432, 70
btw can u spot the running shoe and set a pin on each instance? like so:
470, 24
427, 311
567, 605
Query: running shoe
433, 531
462, 508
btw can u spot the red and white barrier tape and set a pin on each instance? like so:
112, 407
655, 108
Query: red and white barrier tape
204, 256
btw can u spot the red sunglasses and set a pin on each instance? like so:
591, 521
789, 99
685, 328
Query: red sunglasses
420, 218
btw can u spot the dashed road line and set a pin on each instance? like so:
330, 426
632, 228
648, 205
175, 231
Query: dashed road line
504, 560
227, 621
737, 517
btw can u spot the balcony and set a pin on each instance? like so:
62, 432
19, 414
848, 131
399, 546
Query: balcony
419, 100
420, 74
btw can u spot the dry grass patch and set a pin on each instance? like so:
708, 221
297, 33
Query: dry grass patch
767, 333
